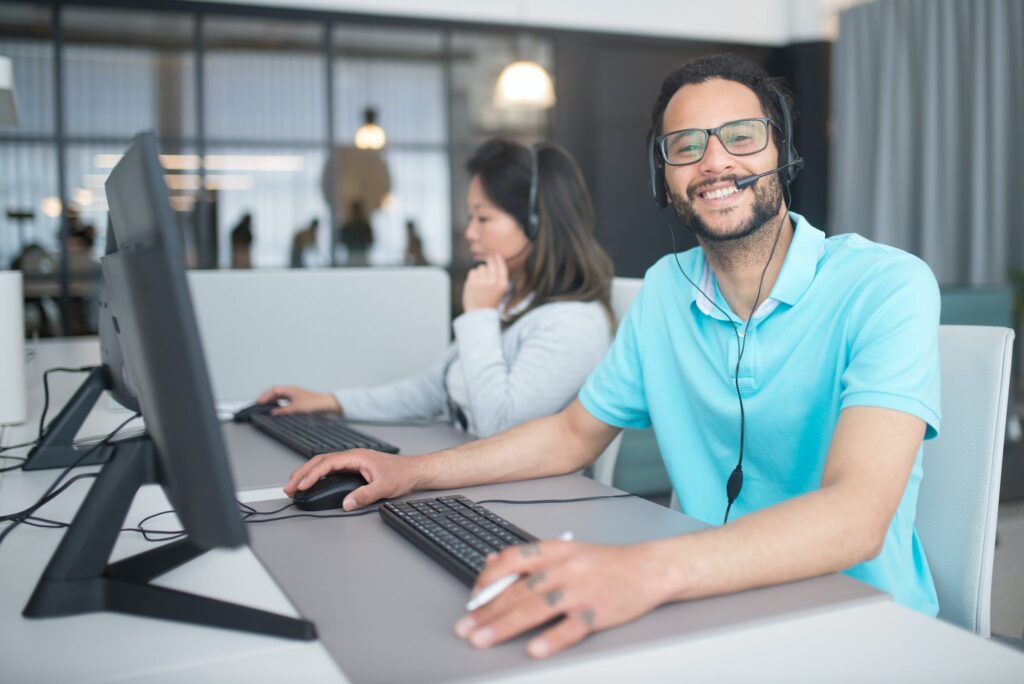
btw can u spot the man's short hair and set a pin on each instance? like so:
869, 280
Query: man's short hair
728, 68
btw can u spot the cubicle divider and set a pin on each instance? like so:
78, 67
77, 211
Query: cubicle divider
322, 329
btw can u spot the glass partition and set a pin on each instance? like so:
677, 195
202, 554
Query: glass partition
289, 138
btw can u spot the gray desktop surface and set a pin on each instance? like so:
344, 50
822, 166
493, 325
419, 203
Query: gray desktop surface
385, 611
261, 462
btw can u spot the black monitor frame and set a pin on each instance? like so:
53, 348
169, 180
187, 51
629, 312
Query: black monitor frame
183, 450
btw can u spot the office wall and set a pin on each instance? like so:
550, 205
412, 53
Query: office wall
760, 22
755, 21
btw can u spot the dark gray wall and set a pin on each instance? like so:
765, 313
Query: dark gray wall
606, 87
807, 68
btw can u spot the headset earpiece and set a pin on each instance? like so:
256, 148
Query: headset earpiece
657, 173
533, 211
787, 151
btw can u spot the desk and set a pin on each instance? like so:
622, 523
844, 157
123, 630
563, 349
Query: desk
842, 630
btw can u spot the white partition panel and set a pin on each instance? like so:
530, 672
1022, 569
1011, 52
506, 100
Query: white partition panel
321, 329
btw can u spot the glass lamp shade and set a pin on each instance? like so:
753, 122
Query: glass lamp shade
524, 84
370, 136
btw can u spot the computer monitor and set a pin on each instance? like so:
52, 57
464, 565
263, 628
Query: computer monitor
183, 451
159, 341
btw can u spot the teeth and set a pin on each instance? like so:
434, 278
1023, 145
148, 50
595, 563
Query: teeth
720, 193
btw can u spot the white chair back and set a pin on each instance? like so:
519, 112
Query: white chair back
319, 328
959, 497
623, 292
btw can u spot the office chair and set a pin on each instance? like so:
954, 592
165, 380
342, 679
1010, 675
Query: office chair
959, 497
623, 292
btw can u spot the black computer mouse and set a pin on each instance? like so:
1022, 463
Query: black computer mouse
244, 415
328, 492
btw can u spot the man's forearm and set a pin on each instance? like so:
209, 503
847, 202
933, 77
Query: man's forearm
811, 535
836, 527
539, 448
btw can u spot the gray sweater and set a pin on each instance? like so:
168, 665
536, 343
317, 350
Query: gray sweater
533, 368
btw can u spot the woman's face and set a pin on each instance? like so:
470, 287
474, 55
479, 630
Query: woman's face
491, 230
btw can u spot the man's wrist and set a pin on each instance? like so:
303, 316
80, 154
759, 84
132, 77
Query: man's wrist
421, 471
670, 568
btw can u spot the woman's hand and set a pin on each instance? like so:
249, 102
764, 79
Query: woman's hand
486, 284
299, 400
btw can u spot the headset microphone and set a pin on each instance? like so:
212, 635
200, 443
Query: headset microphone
750, 180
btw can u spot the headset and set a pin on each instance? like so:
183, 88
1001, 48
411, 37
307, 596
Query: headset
533, 215
790, 162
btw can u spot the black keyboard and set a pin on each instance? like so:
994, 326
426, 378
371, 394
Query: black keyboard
454, 531
316, 433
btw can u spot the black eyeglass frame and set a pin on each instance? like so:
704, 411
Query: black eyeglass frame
766, 120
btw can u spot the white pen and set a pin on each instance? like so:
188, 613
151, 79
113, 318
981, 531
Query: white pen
494, 589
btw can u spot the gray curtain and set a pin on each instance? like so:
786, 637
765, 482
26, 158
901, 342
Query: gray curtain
928, 150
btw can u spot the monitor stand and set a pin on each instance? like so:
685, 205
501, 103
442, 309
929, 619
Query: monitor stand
79, 578
56, 449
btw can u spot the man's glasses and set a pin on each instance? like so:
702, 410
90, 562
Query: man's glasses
739, 138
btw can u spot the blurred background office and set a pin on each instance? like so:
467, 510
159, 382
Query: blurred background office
333, 133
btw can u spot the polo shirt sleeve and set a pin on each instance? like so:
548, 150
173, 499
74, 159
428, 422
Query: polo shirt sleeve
614, 392
893, 343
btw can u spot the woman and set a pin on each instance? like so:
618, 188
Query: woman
537, 316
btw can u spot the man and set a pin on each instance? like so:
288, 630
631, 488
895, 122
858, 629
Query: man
831, 345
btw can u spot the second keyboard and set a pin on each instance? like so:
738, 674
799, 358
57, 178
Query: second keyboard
317, 433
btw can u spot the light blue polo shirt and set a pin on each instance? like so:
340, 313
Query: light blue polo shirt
848, 323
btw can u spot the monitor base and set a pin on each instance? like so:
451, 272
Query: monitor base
79, 578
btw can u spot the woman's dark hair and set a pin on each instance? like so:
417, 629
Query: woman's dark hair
566, 262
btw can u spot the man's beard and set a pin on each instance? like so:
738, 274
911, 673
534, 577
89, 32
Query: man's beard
767, 200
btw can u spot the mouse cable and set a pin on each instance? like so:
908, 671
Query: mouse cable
46, 388
408, 422
551, 501
48, 498
46, 407
20, 516
249, 520
248, 512
375, 508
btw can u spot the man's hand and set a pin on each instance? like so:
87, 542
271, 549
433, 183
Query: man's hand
387, 476
590, 587
486, 284
299, 400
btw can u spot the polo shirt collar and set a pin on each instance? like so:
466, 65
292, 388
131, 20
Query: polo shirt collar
798, 271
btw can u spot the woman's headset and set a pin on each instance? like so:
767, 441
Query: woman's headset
533, 214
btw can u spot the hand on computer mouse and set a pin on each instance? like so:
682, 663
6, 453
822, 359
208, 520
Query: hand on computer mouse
387, 476
299, 400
